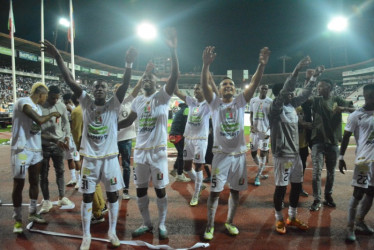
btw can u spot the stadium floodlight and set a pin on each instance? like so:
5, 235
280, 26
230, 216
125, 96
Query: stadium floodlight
64, 22
146, 31
338, 24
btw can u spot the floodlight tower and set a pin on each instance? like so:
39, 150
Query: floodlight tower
338, 25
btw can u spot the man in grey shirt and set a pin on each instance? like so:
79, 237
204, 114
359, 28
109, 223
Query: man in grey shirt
285, 145
55, 140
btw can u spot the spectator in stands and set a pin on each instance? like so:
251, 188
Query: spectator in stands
100, 154
55, 141
26, 150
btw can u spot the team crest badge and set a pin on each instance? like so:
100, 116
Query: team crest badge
113, 181
160, 176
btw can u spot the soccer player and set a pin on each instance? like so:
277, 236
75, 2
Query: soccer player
285, 145
26, 150
229, 163
326, 133
150, 155
100, 161
260, 131
361, 123
55, 141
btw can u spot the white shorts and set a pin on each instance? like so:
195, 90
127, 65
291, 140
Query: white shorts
106, 170
73, 152
363, 175
231, 169
195, 150
257, 142
151, 165
22, 159
288, 169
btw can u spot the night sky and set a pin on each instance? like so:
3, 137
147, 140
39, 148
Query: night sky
238, 29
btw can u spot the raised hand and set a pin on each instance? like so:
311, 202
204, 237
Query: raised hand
303, 63
264, 56
209, 55
131, 55
48, 47
318, 71
342, 166
309, 73
171, 38
56, 114
150, 66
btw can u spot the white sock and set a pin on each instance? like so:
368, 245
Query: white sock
32, 207
212, 208
233, 204
278, 215
292, 212
192, 174
162, 205
352, 208
17, 215
143, 203
86, 213
113, 217
79, 178
72, 173
198, 181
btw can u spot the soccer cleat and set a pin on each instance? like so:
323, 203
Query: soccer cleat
351, 235
142, 230
86, 242
233, 230
297, 223
257, 181
329, 201
18, 227
280, 227
114, 240
162, 234
207, 180
97, 220
315, 206
37, 218
64, 202
195, 200
46, 206
76, 186
104, 210
264, 176
125, 196
303, 193
71, 183
363, 228
173, 172
208, 234
182, 178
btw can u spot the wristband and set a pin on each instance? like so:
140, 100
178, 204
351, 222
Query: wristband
313, 79
128, 65
341, 158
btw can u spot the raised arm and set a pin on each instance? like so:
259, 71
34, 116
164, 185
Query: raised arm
128, 120
131, 54
208, 58
27, 109
255, 81
178, 93
48, 47
343, 148
172, 41
213, 84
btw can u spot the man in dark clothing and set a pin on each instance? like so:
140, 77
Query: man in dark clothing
176, 137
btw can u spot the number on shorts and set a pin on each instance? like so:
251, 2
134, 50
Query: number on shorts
286, 174
84, 184
214, 181
362, 179
135, 178
22, 169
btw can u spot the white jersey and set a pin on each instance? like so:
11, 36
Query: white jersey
228, 125
152, 112
100, 124
260, 109
26, 134
197, 126
361, 123
128, 132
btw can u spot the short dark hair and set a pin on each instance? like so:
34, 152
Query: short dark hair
369, 87
67, 96
276, 88
54, 89
329, 82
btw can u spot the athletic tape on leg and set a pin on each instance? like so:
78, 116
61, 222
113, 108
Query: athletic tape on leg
123, 242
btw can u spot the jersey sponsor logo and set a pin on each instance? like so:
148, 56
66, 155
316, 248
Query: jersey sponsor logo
97, 132
35, 128
160, 176
363, 168
113, 181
